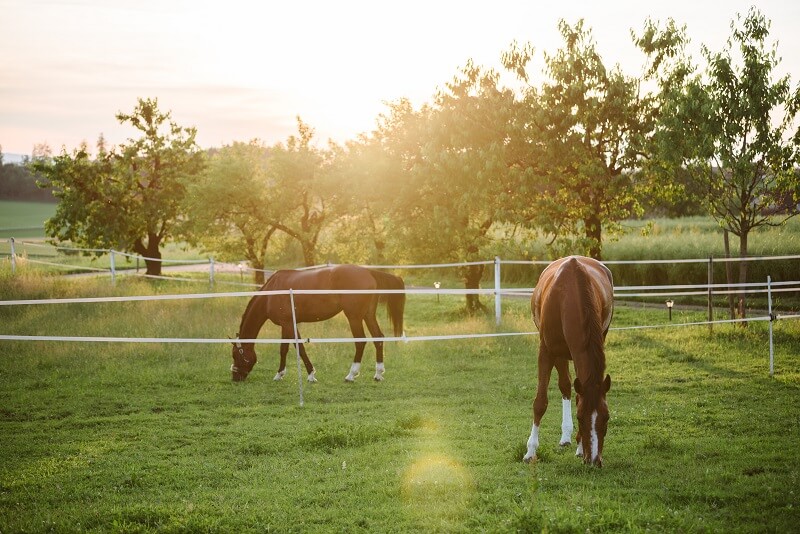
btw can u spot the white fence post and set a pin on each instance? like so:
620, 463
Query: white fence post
497, 298
211, 271
296, 346
113, 268
710, 294
13, 257
771, 320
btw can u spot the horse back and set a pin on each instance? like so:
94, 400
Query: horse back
560, 295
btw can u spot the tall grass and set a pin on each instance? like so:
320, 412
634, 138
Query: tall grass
155, 437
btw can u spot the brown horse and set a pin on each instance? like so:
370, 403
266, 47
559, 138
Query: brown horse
358, 308
572, 307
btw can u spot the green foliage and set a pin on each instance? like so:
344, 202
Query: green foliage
722, 128
156, 438
587, 128
233, 207
129, 198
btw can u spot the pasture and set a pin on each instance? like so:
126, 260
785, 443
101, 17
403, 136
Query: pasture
146, 437
24, 219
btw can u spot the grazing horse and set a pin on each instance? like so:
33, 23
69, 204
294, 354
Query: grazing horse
572, 307
359, 308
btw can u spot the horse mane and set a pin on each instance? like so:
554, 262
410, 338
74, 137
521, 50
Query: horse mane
592, 325
252, 303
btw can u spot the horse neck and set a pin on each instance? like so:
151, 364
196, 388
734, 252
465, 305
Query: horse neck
255, 315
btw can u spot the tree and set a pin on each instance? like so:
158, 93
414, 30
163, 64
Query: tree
456, 187
233, 208
299, 171
735, 131
363, 227
128, 199
585, 132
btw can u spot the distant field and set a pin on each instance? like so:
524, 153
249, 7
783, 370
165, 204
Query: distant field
24, 219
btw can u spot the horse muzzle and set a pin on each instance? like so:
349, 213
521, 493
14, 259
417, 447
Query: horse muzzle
237, 375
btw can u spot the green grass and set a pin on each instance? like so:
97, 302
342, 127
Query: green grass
140, 438
24, 219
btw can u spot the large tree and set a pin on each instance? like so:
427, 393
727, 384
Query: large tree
735, 130
128, 199
456, 187
585, 133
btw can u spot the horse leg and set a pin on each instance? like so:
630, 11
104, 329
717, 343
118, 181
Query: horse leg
565, 385
357, 328
282, 364
287, 332
375, 331
540, 401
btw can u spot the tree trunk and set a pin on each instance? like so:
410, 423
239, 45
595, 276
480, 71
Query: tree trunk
743, 274
258, 274
472, 280
594, 233
729, 274
309, 253
151, 254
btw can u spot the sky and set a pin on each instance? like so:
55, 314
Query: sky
238, 70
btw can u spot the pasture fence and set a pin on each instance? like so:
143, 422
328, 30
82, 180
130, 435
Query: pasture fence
771, 316
709, 289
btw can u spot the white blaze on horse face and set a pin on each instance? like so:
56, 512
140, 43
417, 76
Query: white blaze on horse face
594, 439
533, 444
566, 422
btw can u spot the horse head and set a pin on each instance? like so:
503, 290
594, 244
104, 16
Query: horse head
592, 420
244, 358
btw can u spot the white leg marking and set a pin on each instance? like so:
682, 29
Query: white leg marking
594, 440
279, 376
533, 444
579, 450
312, 376
354, 370
566, 422
379, 370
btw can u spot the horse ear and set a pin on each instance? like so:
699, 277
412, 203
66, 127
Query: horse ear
577, 385
607, 384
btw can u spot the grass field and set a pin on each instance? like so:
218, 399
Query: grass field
155, 437
24, 219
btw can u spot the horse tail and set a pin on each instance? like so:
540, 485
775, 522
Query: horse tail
395, 302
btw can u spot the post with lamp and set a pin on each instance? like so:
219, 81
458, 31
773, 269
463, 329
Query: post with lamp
437, 285
669, 304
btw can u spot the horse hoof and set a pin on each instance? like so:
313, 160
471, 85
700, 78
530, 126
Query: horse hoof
312, 378
564, 444
529, 459
350, 379
279, 376
378, 378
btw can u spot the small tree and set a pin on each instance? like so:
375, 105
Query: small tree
128, 199
299, 171
584, 136
232, 207
735, 131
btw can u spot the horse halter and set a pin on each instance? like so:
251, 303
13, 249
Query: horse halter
239, 347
